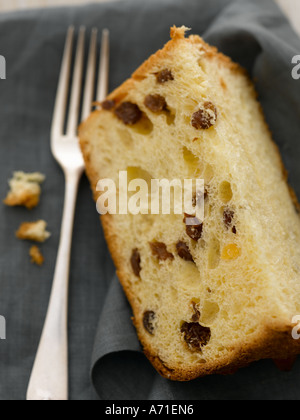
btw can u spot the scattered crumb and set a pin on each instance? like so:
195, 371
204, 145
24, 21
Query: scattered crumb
35, 231
25, 190
36, 256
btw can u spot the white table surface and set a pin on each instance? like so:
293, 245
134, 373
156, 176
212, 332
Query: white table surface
290, 7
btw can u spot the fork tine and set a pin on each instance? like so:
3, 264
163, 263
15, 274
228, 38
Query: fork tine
76, 86
63, 88
90, 76
104, 67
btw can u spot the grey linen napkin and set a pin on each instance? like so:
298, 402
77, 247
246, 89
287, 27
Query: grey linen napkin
252, 32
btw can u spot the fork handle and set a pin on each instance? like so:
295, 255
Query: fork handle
49, 378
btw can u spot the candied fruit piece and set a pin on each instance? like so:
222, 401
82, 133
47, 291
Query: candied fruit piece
230, 252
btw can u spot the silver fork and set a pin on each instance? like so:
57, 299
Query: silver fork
49, 378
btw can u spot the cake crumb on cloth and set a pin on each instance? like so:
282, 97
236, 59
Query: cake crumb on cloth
36, 256
35, 231
25, 189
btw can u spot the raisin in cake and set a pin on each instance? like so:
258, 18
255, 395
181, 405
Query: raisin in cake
214, 297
